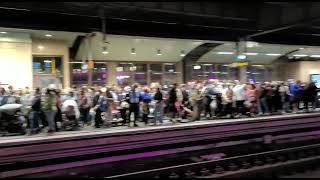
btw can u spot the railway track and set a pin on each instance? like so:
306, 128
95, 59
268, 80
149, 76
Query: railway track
270, 163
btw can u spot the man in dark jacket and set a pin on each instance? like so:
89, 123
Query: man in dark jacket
171, 101
309, 95
35, 114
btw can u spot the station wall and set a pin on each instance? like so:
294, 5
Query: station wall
16, 64
54, 48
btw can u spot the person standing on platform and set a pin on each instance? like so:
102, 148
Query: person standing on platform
146, 99
227, 100
134, 98
171, 102
310, 96
84, 106
96, 113
35, 112
49, 107
251, 96
285, 97
240, 96
158, 110
196, 103
297, 95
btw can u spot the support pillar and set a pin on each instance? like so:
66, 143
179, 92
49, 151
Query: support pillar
243, 74
112, 73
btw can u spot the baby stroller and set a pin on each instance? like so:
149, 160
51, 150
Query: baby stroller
12, 120
70, 115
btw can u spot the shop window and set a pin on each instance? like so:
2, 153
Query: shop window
156, 73
140, 74
170, 73
79, 73
129, 73
99, 74
47, 70
222, 70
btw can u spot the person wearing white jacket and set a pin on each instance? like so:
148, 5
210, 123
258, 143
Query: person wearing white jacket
71, 111
240, 95
227, 100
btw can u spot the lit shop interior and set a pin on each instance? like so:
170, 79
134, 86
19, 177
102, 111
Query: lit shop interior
40, 58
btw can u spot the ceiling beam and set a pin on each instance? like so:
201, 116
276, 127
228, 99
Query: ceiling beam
177, 12
284, 27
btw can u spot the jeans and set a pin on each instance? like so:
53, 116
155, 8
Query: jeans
158, 112
34, 121
50, 118
85, 115
264, 105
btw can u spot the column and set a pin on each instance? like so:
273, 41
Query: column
243, 74
112, 73
179, 69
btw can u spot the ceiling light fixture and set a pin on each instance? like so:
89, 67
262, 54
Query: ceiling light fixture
273, 54
105, 50
133, 51
48, 35
159, 52
2, 32
300, 55
182, 53
301, 48
315, 56
197, 67
40, 47
241, 57
250, 54
225, 52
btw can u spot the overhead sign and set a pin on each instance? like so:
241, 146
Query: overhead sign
91, 64
238, 64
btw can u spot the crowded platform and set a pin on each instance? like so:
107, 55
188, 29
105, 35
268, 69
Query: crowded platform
48, 110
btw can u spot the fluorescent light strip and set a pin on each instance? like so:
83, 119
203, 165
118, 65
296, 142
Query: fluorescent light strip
300, 55
315, 56
225, 53
250, 54
272, 54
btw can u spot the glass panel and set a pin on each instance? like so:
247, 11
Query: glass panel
47, 70
47, 65
170, 74
223, 71
79, 76
156, 73
99, 75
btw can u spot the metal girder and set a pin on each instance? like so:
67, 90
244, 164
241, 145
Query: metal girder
284, 27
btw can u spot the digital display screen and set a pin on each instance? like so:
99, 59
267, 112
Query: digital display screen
316, 79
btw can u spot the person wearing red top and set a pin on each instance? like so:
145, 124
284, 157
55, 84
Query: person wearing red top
251, 95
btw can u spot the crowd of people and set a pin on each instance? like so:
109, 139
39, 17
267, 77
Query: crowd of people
102, 106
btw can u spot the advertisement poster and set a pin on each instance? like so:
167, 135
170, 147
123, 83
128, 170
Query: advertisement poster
316, 79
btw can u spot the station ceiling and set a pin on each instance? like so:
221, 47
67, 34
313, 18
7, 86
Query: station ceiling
276, 27
289, 22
